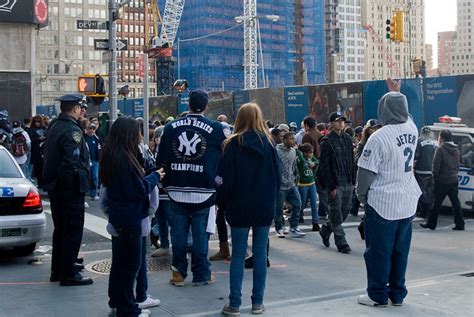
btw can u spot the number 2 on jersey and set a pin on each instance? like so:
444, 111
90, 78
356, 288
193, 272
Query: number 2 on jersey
409, 153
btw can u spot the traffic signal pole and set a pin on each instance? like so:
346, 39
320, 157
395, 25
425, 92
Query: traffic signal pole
112, 63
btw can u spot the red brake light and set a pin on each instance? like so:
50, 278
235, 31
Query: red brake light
33, 200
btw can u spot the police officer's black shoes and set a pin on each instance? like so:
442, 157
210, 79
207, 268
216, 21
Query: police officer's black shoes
344, 249
426, 226
54, 277
76, 279
78, 267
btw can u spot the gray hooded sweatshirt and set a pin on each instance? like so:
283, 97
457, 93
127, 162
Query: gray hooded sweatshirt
392, 109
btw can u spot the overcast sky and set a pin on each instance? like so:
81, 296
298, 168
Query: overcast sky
440, 15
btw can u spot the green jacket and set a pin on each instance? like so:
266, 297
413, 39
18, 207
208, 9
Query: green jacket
306, 173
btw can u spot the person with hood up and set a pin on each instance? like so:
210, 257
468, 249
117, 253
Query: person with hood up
446, 163
249, 179
21, 147
386, 185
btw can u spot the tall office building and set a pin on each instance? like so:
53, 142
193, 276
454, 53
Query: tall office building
462, 59
64, 51
446, 48
384, 58
350, 41
211, 44
429, 58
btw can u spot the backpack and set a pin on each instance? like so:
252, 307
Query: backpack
18, 144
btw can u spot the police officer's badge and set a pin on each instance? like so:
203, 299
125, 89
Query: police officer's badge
77, 136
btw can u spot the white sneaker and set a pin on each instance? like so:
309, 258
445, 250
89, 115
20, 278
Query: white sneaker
96, 198
86, 205
365, 300
297, 233
112, 312
149, 302
285, 231
280, 233
161, 252
145, 313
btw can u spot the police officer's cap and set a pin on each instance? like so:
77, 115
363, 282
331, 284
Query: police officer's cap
72, 98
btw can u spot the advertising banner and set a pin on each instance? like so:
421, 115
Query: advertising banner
240, 97
271, 101
440, 95
24, 11
296, 104
163, 107
220, 103
183, 102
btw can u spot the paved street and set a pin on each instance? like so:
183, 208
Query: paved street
305, 278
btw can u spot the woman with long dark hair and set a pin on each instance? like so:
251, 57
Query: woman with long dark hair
250, 182
37, 136
126, 204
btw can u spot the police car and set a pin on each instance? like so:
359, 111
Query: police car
463, 136
22, 220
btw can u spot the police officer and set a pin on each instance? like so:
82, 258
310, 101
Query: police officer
66, 177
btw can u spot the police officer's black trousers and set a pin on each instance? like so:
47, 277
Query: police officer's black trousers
67, 210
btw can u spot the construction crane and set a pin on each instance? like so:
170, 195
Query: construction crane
161, 45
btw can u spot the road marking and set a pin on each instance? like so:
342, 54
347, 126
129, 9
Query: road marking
93, 223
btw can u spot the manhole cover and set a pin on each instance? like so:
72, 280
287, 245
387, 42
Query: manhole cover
153, 265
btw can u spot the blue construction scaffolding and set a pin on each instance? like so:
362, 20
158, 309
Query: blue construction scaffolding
293, 47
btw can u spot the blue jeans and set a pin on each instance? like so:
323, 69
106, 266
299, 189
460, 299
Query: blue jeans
164, 220
94, 178
386, 255
259, 253
126, 261
142, 279
309, 192
292, 196
181, 219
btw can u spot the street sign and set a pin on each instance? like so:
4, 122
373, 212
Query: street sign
121, 44
103, 44
92, 25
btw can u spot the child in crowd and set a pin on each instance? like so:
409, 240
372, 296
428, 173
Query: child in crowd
307, 164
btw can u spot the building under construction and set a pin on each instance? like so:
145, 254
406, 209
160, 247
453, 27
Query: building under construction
292, 47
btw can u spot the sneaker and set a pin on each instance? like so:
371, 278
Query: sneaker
344, 249
230, 311
211, 280
257, 309
325, 239
112, 312
458, 228
176, 278
396, 303
365, 300
426, 226
96, 198
86, 205
297, 233
149, 302
280, 233
316, 227
160, 252
145, 313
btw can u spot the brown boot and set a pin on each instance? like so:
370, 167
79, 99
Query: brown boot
223, 253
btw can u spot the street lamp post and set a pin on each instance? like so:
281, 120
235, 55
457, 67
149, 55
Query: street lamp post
251, 34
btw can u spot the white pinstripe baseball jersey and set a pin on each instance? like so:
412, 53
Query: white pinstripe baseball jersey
389, 153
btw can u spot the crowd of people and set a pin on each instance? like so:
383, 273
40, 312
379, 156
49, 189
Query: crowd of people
195, 173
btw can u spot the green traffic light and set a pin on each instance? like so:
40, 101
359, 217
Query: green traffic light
387, 36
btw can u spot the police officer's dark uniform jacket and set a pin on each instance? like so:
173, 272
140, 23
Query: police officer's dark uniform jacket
66, 175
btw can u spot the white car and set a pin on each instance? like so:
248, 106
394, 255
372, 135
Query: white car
22, 220
463, 136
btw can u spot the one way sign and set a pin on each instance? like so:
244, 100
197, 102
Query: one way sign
103, 44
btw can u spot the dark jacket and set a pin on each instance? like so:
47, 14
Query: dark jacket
251, 181
424, 154
446, 163
66, 161
95, 146
127, 198
312, 137
189, 151
330, 164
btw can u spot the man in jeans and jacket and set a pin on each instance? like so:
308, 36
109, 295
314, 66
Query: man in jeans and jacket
336, 174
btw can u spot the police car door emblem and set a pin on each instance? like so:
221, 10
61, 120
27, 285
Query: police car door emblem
77, 136
188, 145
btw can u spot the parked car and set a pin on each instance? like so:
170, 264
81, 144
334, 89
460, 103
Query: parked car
22, 220
463, 136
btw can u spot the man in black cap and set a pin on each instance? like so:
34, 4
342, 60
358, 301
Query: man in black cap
66, 178
189, 151
336, 174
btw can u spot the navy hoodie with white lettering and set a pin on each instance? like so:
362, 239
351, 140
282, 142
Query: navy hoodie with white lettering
189, 151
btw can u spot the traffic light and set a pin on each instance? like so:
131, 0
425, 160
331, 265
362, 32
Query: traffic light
388, 22
393, 28
86, 84
399, 23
